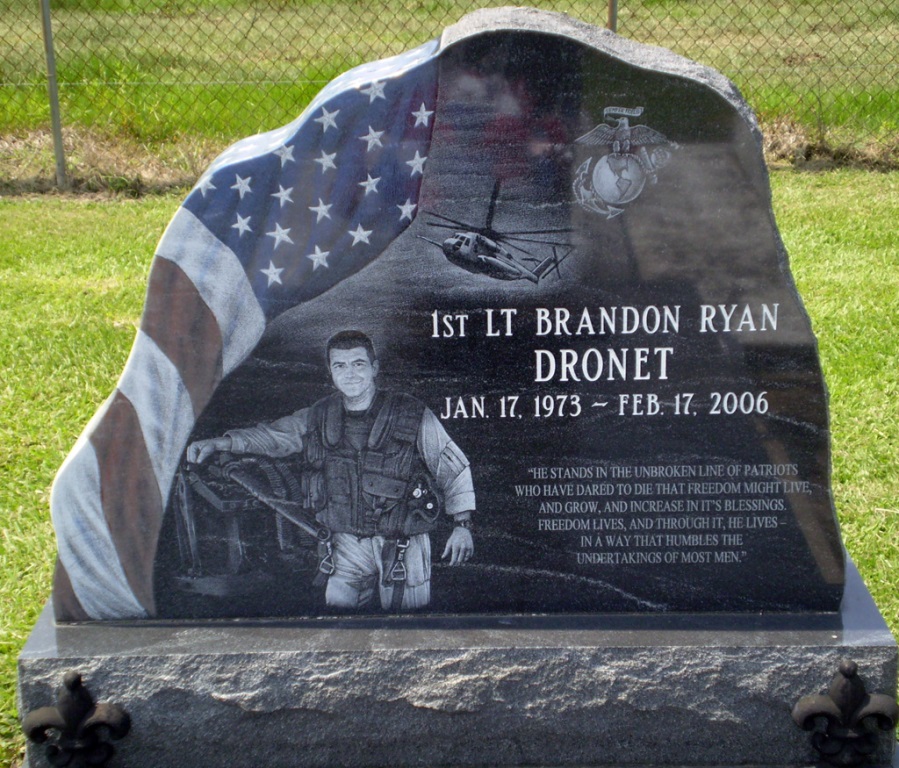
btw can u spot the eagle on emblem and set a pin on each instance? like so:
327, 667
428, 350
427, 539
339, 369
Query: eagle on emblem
618, 178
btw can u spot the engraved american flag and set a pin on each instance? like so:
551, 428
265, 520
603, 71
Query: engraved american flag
277, 220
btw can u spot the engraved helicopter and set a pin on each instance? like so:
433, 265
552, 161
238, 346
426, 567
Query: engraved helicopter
486, 251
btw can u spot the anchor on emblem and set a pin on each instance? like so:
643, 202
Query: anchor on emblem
618, 177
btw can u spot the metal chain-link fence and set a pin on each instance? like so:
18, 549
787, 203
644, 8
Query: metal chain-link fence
154, 87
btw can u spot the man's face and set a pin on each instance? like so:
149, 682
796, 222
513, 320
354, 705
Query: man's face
352, 372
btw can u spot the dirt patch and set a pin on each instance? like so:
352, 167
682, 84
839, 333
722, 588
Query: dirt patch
788, 142
96, 162
108, 164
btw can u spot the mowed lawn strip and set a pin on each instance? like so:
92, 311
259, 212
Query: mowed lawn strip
170, 70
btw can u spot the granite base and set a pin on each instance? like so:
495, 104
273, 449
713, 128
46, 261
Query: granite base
674, 690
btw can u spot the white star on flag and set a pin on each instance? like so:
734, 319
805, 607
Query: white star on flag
321, 210
360, 235
273, 273
407, 209
242, 185
422, 116
374, 91
280, 235
205, 184
371, 185
319, 258
218, 237
417, 163
326, 160
243, 224
284, 195
373, 138
286, 155
327, 119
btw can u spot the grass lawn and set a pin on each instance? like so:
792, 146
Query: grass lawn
73, 273
151, 90
166, 73
839, 228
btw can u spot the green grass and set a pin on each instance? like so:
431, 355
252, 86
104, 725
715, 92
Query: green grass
73, 273
840, 231
136, 67
151, 90
824, 65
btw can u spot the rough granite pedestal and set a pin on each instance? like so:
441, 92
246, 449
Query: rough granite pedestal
671, 690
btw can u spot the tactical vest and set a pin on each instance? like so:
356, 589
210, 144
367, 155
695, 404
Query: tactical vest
384, 488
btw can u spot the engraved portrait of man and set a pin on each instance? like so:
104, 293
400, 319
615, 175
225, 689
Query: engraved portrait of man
379, 470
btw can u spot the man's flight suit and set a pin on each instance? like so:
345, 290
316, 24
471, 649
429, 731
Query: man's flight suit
377, 479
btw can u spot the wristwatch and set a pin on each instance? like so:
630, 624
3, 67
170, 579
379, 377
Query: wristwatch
464, 524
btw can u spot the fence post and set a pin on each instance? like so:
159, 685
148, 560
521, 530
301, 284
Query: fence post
613, 16
53, 91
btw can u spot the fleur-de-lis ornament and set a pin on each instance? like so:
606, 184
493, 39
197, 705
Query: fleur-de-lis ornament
850, 715
76, 728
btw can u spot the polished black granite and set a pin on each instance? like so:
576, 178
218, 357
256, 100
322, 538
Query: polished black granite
858, 623
585, 286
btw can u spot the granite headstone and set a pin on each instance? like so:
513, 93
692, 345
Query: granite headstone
498, 335
587, 350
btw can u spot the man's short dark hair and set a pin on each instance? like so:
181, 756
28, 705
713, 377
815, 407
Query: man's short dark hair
350, 339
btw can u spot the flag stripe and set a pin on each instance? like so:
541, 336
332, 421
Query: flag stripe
251, 241
184, 328
220, 279
130, 498
86, 549
163, 406
65, 602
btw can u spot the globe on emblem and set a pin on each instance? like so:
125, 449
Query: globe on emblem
618, 178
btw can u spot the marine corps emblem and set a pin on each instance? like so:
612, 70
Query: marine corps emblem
618, 177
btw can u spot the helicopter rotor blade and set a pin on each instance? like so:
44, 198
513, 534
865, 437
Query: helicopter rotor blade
551, 264
440, 225
432, 242
510, 238
556, 262
454, 222
542, 231
519, 248
492, 208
